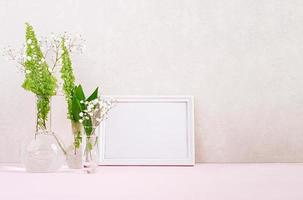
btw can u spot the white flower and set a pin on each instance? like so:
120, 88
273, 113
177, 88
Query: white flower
28, 71
86, 117
29, 58
32, 46
29, 41
95, 101
81, 114
42, 60
81, 101
86, 102
80, 120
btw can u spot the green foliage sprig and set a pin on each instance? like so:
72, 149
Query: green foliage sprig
90, 111
68, 78
77, 107
38, 78
80, 105
94, 112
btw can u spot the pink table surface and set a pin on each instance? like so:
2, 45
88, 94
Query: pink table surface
203, 181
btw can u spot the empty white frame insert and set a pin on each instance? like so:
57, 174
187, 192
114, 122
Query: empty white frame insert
148, 131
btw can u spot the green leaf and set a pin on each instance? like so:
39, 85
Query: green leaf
94, 95
76, 108
79, 92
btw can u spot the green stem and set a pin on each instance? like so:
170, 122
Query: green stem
60, 144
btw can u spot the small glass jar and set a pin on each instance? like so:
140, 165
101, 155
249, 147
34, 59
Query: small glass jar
91, 153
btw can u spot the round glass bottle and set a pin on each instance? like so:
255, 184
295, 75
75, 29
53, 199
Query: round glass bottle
43, 152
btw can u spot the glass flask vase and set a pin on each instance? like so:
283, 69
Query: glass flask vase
43, 152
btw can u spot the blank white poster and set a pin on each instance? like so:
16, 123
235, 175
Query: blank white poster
148, 131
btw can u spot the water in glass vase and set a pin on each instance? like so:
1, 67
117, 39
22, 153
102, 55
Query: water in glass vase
43, 152
74, 151
91, 153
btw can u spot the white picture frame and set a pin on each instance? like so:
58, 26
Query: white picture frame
148, 130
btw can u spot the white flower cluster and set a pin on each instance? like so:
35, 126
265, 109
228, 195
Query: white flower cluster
16, 55
50, 47
96, 109
74, 43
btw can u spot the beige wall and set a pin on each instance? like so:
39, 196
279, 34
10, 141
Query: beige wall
241, 59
